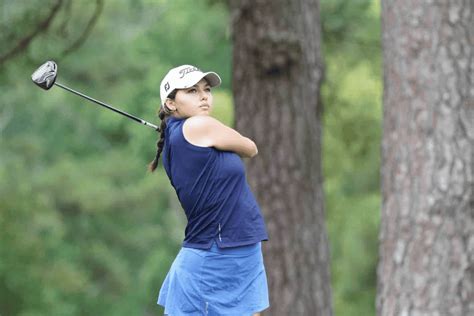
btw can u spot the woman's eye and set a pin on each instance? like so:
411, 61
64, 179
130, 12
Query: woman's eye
192, 90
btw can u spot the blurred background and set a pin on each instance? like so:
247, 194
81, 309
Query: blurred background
84, 228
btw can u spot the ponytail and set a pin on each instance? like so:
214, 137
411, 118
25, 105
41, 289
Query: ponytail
163, 115
161, 141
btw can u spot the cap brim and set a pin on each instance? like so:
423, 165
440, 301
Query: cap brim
213, 78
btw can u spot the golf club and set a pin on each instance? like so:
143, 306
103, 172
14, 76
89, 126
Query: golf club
45, 78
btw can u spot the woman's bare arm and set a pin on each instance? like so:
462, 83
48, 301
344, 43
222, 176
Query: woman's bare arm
206, 131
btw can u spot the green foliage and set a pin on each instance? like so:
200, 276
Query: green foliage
84, 229
351, 149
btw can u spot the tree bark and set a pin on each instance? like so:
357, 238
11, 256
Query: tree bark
277, 73
427, 231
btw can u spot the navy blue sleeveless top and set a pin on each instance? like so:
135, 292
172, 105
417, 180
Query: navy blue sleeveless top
213, 191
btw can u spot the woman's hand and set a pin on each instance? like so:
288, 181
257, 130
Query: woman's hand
206, 131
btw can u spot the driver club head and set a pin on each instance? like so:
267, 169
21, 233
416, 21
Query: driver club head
45, 75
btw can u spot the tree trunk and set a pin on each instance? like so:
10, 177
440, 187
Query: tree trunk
427, 232
277, 73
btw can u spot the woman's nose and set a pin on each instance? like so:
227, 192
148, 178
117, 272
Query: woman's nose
203, 95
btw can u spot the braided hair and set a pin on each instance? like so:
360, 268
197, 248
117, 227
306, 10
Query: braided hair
163, 115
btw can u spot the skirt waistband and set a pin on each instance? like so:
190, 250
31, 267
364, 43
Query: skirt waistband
240, 250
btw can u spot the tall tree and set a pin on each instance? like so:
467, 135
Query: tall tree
427, 232
277, 73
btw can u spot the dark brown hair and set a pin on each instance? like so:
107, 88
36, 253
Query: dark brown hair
163, 115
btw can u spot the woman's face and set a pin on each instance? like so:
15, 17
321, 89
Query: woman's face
196, 100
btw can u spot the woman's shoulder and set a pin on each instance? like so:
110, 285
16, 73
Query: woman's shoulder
201, 126
200, 122
196, 129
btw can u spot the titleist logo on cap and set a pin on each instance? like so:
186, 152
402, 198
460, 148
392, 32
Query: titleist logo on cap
187, 70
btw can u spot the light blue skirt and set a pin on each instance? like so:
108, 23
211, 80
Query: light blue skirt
227, 281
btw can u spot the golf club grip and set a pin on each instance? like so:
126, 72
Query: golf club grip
137, 119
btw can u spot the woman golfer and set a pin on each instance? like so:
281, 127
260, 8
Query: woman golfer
219, 269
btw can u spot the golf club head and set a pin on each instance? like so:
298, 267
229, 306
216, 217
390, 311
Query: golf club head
45, 75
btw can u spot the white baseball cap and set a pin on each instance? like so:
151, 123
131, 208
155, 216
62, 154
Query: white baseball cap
183, 77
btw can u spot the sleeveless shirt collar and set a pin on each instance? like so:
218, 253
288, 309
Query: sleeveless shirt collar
172, 119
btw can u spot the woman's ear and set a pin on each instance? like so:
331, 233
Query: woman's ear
170, 104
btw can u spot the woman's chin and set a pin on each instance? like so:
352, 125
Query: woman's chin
204, 111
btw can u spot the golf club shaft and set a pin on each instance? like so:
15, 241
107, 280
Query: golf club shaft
137, 119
